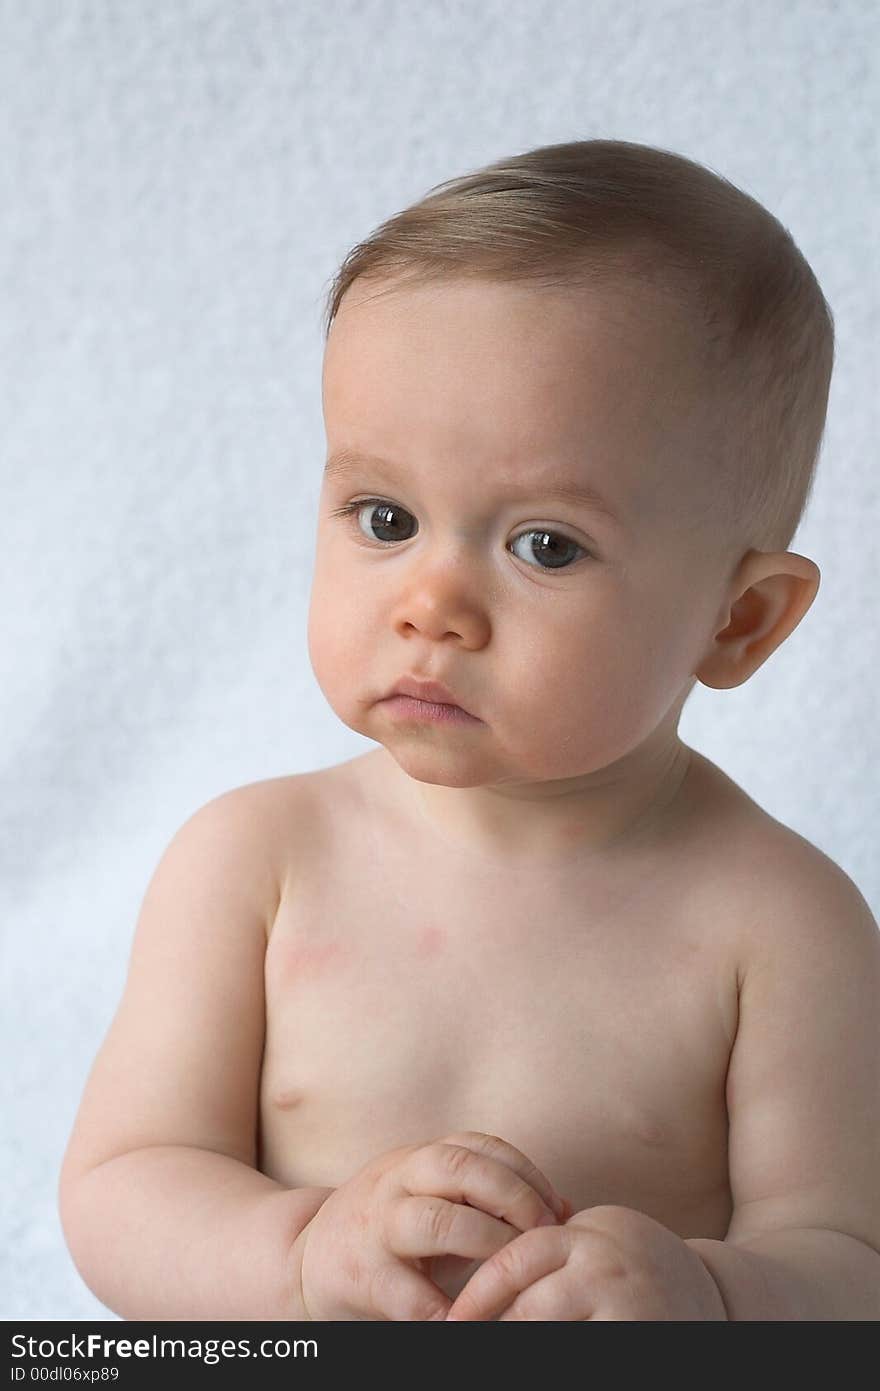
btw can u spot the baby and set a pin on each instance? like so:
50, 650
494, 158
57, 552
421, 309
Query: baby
529, 1012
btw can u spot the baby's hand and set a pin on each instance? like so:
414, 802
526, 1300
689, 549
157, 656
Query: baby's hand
364, 1253
609, 1263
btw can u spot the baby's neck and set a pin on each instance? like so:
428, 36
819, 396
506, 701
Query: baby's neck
603, 815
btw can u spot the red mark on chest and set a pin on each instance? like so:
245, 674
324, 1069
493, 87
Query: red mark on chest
305, 960
431, 940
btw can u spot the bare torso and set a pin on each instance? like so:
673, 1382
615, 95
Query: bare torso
413, 990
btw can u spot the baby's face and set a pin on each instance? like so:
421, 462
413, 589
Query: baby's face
570, 628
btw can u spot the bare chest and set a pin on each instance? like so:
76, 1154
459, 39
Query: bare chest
591, 1029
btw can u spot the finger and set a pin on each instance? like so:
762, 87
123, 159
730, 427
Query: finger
449, 1273
416, 1226
399, 1293
461, 1175
496, 1148
555, 1298
494, 1287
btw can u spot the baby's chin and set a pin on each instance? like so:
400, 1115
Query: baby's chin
461, 756
448, 756
444, 767
458, 766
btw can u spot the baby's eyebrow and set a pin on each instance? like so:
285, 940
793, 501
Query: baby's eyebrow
345, 462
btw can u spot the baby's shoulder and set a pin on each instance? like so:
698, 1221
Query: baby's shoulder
287, 824
777, 891
798, 902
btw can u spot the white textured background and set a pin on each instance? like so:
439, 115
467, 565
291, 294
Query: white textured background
178, 182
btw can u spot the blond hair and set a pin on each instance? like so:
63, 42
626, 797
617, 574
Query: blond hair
600, 212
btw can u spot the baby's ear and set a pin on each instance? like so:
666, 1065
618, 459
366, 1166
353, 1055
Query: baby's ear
768, 596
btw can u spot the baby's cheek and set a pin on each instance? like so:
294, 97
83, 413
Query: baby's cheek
333, 624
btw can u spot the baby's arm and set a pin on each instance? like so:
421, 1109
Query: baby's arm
803, 1100
162, 1206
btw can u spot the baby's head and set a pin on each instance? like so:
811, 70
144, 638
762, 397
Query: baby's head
578, 398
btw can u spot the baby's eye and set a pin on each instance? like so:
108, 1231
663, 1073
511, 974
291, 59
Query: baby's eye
551, 546
376, 515
389, 518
